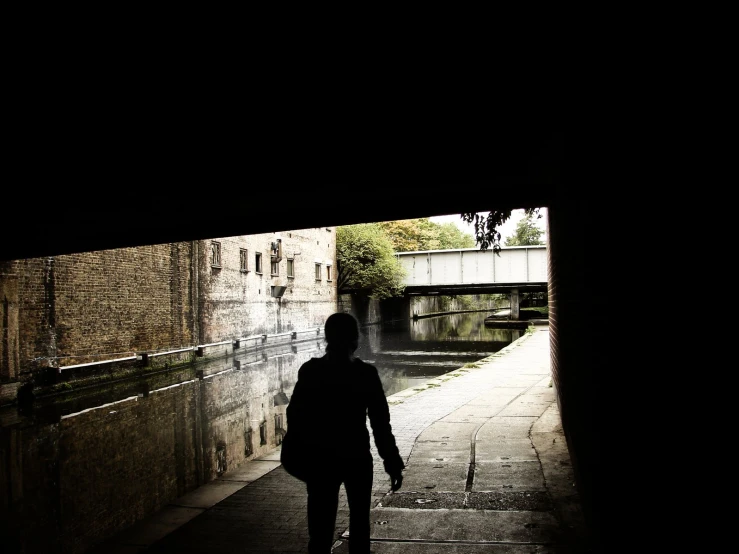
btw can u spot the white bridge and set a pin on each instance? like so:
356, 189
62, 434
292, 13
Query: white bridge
472, 271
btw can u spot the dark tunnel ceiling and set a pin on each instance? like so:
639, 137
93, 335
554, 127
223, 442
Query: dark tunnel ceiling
65, 220
113, 228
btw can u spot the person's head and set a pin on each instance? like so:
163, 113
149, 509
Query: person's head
342, 332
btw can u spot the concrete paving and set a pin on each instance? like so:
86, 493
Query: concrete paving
488, 470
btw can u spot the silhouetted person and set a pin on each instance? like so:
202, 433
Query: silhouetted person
332, 399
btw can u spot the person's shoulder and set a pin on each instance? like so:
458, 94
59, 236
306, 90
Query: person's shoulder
315, 362
364, 366
310, 366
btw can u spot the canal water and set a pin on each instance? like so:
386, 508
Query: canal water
77, 468
407, 353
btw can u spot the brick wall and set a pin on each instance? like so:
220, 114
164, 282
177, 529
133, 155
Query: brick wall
9, 345
101, 305
574, 335
31, 331
115, 302
93, 306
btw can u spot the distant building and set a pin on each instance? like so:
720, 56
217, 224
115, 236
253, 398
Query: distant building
94, 306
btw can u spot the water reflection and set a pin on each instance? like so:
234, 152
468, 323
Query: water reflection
410, 352
86, 464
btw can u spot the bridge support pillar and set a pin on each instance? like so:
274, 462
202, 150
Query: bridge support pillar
365, 309
397, 308
515, 305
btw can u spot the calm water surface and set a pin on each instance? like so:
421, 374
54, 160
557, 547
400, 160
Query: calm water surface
407, 353
77, 468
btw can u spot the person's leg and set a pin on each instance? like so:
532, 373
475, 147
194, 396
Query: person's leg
323, 502
358, 485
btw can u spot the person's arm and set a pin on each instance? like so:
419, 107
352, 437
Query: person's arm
379, 416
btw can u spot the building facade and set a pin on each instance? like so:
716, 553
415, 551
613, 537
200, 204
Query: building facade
64, 311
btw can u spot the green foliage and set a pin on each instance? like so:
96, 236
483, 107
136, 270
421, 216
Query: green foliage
406, 235
365, 252
486, 226
526, 234
451, 236
409, 235
366, 261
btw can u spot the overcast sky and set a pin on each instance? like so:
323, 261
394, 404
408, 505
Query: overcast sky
507, 229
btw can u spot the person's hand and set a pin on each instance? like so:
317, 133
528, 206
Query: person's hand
396, 481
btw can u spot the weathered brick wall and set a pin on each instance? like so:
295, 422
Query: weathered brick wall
34, 339
552, 292
238, 304
574, 334
116, 302
9, 340
101, 305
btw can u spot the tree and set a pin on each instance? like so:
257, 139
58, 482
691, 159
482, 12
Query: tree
486, 226
408, 235
451, 236
526, 234
366, 261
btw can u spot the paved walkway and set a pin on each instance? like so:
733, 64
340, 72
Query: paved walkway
488, 470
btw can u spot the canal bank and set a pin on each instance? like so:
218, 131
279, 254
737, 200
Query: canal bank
488, 470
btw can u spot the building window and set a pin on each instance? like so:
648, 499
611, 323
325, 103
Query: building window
290, 268
279, 431
328, 273
215, 254
248, 449
258, 262
274, 267
221, 462
244, 260
263, 433
318, 272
